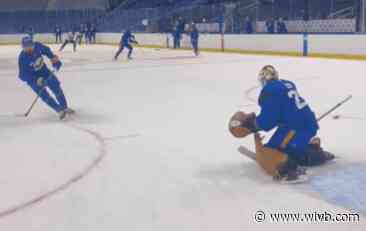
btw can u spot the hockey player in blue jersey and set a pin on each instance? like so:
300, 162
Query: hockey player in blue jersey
194, 39
36, 74
126, 40
283, 108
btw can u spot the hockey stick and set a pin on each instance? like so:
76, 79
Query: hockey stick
37, 97
33, 103
334, 108
292, 133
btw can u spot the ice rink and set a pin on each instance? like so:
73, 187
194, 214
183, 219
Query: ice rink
149, 148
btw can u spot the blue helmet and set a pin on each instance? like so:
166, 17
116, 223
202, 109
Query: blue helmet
27, 41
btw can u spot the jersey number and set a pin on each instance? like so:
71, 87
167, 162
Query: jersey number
300, 103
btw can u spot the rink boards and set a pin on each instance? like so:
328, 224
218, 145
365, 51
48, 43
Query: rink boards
348, 46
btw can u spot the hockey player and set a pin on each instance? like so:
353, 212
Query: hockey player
36, 74
293, 143
79, 37
58, 34
69, 39
93, 34
126, 40
194, 39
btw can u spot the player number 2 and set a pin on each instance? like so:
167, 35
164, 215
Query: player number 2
300, 103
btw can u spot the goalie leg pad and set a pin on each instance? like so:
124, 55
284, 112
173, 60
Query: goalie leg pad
270, 160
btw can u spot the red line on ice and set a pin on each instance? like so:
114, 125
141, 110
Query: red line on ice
68, 183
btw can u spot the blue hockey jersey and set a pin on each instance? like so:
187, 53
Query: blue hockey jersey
194, 34
32, 66
127, 37
282, 106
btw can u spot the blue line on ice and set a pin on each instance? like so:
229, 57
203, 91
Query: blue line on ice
345, 187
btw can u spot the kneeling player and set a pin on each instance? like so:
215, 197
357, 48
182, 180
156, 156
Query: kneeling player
293, 143
36, 74
70, 39
126, 39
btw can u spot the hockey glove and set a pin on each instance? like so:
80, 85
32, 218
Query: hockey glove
242, 124
56, 63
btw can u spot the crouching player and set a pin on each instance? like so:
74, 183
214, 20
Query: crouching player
293, 143
126, 40
36, 74
69, 39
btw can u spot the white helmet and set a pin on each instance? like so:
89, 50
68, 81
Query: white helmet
267, 73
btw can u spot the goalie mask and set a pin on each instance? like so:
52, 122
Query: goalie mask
267, 73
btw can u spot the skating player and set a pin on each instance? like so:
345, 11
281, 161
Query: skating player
194, 39
36, 74
69, 39
126, 40
293, 143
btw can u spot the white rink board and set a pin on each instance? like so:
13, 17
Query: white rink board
271, 43
318, 44
338, 44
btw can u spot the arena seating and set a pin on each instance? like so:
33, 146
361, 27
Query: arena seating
43, 15
23, 4
74, 4
17, 16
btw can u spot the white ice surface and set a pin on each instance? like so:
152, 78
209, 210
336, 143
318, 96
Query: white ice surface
169, 163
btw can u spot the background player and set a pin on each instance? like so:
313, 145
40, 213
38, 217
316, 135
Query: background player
93, 33
58, 34
126, 40
36, 74
194, 39
69, 39
283, 107
79, 37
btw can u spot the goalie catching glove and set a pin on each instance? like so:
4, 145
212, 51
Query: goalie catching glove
242, 124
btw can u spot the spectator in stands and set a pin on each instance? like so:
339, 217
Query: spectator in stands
270, 26
248, 26
58, 34
281, 26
